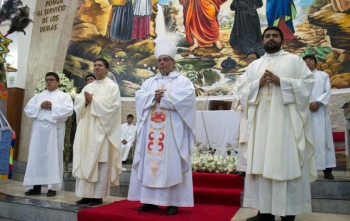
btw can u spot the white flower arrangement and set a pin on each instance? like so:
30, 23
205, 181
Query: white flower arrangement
205, 162
66, 85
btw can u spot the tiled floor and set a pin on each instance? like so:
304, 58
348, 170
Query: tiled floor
15, 188
245, 213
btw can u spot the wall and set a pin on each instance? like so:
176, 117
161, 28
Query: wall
42, 50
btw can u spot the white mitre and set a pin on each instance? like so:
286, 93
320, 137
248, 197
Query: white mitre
165, 46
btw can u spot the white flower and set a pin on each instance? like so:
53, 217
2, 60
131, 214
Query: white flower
145, 65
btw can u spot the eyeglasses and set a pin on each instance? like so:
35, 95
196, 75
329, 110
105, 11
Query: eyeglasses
166, 59
50, 80
251, 59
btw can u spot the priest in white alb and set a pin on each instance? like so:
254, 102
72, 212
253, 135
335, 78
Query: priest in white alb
50, 110
166, 107
96, 150
242, 129
128, 132
275, 96
320, 118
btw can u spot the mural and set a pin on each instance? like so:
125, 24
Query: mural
213, 37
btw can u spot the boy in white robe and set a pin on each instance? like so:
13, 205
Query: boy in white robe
96, 150
127, 136
166, 106
50, 109
275, 97
242, 132
321, 124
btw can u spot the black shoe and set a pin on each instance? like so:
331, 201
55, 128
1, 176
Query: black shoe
328, 176
147, 207
267, 217
287, 218
171, 210
32, 192
83, 201
95, 202
51, 193
241, 174
262, 217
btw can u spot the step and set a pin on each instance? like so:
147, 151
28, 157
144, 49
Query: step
215, 180
228, 197
339, 205
20, 208
331, 188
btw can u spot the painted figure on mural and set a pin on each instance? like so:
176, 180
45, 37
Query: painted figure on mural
246, 32
142, 19
201, 23
280, 13
122, 20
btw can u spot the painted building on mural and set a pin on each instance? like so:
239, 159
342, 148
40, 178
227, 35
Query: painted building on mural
206, 33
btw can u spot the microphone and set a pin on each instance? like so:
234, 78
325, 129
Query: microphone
206, 103
205, 128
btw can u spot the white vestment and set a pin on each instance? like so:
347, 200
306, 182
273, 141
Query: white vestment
96, 150
128, 132
45, 159
279, 150
162, 173
242, 130
321, 123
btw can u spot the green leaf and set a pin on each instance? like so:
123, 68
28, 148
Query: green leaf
327, 49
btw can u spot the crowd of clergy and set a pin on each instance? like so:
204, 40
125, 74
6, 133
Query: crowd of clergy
284, 134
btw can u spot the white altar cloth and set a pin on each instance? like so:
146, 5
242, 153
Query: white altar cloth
218, 130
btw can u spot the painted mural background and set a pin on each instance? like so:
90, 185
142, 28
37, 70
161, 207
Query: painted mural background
213, 37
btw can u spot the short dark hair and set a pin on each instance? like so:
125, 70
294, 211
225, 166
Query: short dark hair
104, 61
90, 75
53, 74
273, 28
257, 55
311, 56
130, 115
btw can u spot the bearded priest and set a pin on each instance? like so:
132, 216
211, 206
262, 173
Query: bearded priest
275, 96
166, 107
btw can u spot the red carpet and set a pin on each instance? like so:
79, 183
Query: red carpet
216, 196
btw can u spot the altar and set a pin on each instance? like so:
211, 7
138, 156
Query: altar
217, 132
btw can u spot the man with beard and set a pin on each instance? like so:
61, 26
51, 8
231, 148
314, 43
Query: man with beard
275, 96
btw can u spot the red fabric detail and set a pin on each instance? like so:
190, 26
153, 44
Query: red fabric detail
141, 27
287, 32
338, 136
158, 117
216, 196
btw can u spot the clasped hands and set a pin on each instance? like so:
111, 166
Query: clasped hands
269, 77
47, 105
88, 97
159, 94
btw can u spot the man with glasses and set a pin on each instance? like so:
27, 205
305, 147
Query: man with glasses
166, 106
50, 109
96, 150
